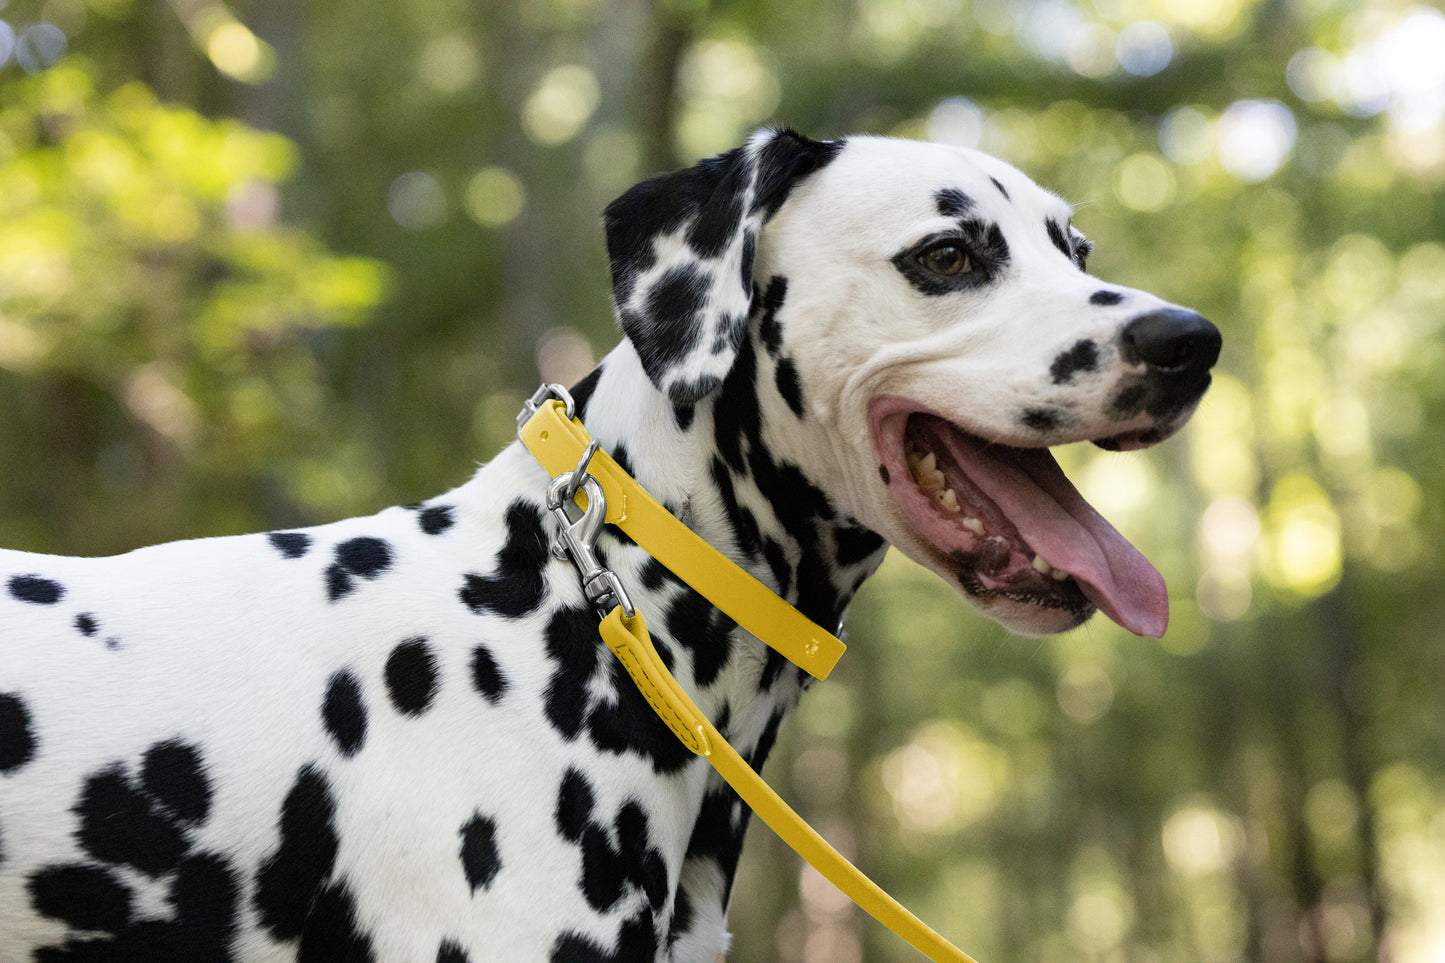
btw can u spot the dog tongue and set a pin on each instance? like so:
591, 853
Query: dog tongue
1032, 491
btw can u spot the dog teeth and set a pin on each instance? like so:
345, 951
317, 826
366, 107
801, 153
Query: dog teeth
949, 501
1042, 566
973, 525
926, 473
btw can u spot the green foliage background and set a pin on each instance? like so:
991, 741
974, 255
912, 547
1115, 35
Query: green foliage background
276, 263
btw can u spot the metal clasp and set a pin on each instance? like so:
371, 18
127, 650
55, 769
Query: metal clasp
578, 535
539, 397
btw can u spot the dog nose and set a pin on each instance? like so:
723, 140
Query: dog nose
1173, 342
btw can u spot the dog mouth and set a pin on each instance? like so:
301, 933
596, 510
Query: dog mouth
1007, 524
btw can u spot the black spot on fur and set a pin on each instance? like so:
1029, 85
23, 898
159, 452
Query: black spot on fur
1083, 356
766, 741
452, 952
683, 414
609, 870
789, 386
1105, 297
411, 676
583, 390
777, 558
630, 725
669, 326
682, 394
856, 544
487, 677
769, 329
331, 933
17, 740
86, 624
364, 556
602, 877
1058, 238
715, 834
994, 181
146, 825
291, 879
35, 589
744, 525
1040, 419
290, 544
717, 223
339, 582
783, 162
120, 824
517, 586
695, 624
773, 667
480, 859
202, 896
682, 916
575, 800
344, 713
952, 202
883, 474
171, 772
1128, 402
637, 940
750, 248
85, 897
436, 519
572, 643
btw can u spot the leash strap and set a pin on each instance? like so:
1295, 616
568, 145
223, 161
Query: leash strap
630, 642
558, 442
564, 448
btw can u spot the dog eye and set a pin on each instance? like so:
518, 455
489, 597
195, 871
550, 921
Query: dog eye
946, 259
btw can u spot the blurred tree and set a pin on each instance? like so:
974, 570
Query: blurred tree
154, 321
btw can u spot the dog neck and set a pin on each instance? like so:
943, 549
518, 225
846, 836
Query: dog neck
718, 466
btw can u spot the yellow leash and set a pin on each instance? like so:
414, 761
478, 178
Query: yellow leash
562, 446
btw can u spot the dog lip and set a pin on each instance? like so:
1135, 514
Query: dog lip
1049, 516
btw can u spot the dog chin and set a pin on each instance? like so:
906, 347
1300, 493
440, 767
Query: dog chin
1027, 619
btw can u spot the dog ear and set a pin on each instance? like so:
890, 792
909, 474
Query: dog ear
681, 247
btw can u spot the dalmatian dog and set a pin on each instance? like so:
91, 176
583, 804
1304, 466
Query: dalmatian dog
400, 738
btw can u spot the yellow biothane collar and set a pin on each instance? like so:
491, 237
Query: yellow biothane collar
558, 443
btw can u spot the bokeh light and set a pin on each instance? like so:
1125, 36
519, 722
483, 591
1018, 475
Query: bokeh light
39, 46
1144, 48
416, 201
495, 197
1255, 137
560, 106
7, 42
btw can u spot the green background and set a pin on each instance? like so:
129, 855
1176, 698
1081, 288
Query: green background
274, 263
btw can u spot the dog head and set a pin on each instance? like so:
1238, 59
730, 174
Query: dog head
925, 317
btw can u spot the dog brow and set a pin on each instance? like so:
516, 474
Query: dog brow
952, 202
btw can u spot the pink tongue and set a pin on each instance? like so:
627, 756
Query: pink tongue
1032, 491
